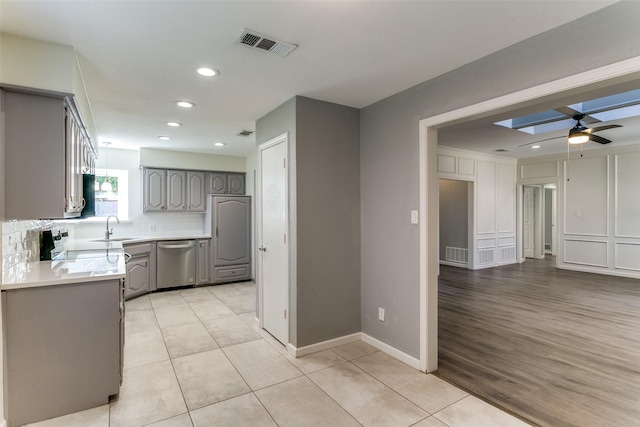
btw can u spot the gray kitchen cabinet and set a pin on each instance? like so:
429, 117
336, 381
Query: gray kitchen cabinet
202, 261
196, 201
62, 349
226, 183
154, 190
228, 220
176, 191
235, 183
217, 183
173, 190
141, 269
43, 145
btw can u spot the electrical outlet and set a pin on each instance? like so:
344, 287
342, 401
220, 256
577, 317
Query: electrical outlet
381, 314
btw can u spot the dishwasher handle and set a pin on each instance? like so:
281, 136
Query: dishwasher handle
177, 245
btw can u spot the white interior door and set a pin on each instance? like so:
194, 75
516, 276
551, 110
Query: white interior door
273, 242
528, 212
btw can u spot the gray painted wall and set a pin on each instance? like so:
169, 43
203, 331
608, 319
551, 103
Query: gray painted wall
454, 215
389, 151
328, 178
324, 174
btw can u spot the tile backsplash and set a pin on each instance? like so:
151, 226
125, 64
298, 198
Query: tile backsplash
21, 244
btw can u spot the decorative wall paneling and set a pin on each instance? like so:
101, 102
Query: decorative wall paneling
598, 215
494, 177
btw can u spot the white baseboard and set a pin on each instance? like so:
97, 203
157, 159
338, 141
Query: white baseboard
359, 336
391, 351
324, 345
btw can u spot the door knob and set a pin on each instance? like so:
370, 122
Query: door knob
262, 248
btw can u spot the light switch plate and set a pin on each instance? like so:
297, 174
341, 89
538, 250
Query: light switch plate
414, 217
381, 314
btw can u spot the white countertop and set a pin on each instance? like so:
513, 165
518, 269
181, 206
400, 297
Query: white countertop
83, 262
86, 260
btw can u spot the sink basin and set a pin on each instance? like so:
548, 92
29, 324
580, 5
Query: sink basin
114, 239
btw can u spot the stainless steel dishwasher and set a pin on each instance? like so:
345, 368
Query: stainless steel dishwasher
176, 263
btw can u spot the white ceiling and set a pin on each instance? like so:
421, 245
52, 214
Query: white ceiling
139, 57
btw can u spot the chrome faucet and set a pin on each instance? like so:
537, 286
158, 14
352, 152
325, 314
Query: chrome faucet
108, 233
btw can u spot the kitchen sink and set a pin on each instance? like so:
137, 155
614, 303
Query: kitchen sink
115, 239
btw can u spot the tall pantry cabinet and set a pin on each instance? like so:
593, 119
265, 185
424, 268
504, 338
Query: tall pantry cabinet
228, 220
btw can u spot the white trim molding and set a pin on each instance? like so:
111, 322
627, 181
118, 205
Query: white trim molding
391, 351
347, 339
321, 346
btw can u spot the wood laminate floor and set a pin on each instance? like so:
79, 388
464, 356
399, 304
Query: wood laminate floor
555, 347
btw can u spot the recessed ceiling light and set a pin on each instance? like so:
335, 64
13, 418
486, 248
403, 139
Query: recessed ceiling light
208, 72
219, 144
164, 138
185, 104
174, 124
535, 146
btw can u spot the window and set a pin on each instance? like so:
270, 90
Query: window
112, 193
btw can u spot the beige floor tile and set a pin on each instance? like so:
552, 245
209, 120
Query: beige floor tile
473, 412
277, 345
430, 422
247, 287
149, 393
139, 303
230, 330
167, 298
182, 420
197, 294
222, 291
175, 315
368, 400
94, 417
427, 391
208, 378
191, 338
144, 348
210, 310
316, 361
354, 350
260, 364
299, 402
139, 321
242, 411
241, 303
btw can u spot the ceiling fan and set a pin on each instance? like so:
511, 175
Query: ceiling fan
579, 134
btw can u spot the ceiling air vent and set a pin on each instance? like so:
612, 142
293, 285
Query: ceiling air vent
259, 41
502, 150
246, 133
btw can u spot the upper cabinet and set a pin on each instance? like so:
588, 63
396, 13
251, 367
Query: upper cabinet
46, 151
235, 183
185, 191
154, 190
176, 191
226, 183
196, 201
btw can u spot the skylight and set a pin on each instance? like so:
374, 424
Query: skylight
605, 109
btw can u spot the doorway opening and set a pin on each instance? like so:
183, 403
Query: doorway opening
456, 223
538, 220
608, 75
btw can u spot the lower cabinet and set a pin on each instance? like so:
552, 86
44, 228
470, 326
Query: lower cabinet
62, 349
141, 269
202, 262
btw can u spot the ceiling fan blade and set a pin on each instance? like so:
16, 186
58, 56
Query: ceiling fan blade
599, 128
599, 139
541, 140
